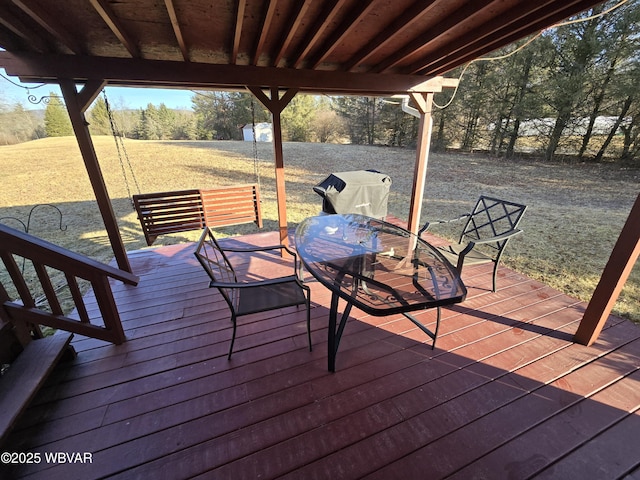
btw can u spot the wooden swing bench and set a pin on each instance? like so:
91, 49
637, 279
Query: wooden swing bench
185, 210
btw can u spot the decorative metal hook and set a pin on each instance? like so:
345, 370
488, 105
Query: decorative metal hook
35, 101
24, 227
28, 224
62, 228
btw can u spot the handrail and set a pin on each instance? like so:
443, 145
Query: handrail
74, 266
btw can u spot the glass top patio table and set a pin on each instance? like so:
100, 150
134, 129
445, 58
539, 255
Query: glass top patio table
377, 267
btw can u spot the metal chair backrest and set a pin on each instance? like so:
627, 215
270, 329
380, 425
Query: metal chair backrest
492, 217
216, 264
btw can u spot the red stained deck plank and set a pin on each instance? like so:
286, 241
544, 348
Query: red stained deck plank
167, 403
561, 434
612, 454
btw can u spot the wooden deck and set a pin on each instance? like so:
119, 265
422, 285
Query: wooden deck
505, 394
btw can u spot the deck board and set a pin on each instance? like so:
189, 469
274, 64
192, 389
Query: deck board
504, 393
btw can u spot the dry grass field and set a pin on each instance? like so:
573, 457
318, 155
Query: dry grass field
575, 211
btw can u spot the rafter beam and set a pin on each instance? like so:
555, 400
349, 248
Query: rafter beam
264, 30
483, 35
349, 22
20, 30
153, 73
314, 34
460, 52
48, 22
406, 18
294, 23
237, 31
114, 24
456, 19
177, 31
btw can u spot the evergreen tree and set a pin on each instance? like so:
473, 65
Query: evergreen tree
56, 119
148, 127
99, 116
166, 122
297, 118
184, 126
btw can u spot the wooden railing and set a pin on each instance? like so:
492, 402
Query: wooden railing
45, 257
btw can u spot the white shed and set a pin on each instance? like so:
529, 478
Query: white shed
264, 132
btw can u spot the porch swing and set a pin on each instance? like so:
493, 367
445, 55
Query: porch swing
162, 213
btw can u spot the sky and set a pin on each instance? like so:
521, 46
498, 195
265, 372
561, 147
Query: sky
119, 97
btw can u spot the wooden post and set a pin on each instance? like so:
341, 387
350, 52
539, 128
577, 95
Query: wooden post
623, 258
424, 102
275, 105
76, 104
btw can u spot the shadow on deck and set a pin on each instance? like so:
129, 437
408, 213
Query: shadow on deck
505, 394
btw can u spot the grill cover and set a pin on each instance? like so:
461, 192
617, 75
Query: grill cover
362, 191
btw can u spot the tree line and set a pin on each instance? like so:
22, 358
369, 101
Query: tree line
570, 93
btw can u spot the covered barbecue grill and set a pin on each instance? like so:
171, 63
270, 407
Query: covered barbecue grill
362, 191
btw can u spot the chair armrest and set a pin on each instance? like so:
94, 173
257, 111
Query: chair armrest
497, 238
257, 283
437, 222
255, 249
473, 243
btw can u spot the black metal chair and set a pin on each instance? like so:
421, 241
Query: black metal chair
246, 297
491, 225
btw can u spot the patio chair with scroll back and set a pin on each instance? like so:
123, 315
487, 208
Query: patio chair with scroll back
488, 229
251, 296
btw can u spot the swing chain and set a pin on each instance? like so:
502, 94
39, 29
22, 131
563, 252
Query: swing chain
256, 168
122, 151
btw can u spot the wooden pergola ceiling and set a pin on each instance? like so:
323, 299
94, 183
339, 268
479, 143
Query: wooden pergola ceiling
375, 47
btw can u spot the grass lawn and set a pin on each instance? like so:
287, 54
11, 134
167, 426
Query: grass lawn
575, 212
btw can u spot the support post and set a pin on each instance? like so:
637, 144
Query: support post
623, 258
76, 104
424, 104
275, 105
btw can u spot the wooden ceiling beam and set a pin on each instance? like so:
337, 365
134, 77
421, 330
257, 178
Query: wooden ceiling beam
316, 31
526, 25
9, 41
348, 23
237, 31
48, 23
155, 73
264, 30
512, 24
402, 22
454, 20
177, 31
294, 23
25, 34
109, 17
